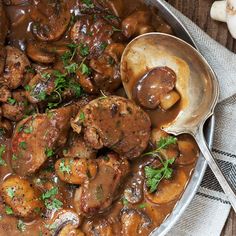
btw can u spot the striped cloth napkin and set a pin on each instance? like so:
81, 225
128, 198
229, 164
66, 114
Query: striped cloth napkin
208, 212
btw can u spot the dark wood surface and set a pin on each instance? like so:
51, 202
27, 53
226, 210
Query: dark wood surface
198, 11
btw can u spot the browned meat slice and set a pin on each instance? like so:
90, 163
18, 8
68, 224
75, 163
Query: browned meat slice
17, 106
36, 138
92, 32
75, 171
77, 147
116, 123
16, 64
50, 23
3, 24
96, 195
5, 93
22, 197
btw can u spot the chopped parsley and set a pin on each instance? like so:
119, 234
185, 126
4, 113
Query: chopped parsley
23, 145
28, 130
163, 143
10, 192
103, 46
27, 88
88, 3
125, 202
142, 205
82, 117
42, 96
116, 29
72, 68
83, 50
85, 70
2, 150
64, 168
8, 210
21, 226
11, 101
49, 152
50, 193
154, 176
14, 157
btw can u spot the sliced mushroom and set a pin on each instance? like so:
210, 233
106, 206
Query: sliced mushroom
62, 219
75, 171
169, 100
87, 83
97, 195
50, 23
153, 86
137, 23
70, 230
135, 222
77, 147
16, 64
172, 151
101, 228
39, 53
16, 2
169, 189
22, 197
36, 137
189, 150
133, 192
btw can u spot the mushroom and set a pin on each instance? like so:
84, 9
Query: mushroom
50, 23
225, 11
62, 219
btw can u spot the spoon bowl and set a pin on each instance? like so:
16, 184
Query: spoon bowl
196, 82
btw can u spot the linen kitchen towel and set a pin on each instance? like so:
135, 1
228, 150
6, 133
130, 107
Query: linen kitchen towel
207, 213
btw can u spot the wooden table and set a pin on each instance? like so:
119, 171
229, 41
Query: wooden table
198, 11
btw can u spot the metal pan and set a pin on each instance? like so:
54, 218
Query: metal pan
191, 189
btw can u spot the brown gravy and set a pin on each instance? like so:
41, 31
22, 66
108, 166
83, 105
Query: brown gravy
108, 223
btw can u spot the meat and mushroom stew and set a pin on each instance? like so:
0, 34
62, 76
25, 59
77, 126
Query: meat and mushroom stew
76, 156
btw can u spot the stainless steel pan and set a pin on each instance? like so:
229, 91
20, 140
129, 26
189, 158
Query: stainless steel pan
191, 189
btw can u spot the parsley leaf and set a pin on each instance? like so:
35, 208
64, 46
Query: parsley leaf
85, 70
8, 210
88, 3
64, 168
10, 192
52, 204
21, 226
163, 143
154, 176
50, 193
72, 68
11, 101
83, 50
23, 145
2, 150
49, 152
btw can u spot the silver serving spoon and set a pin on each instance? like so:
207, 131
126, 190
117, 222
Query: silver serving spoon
196, 82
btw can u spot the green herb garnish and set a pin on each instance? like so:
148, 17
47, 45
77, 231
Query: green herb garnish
49, 152
8, 210
2, 150
23, 145
11, 101
10, 192
83, 50
21, 226
88, 3
64, 168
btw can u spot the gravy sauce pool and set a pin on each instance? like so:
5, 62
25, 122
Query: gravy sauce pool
134, 217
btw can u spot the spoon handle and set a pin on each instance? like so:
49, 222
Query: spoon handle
226, 186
